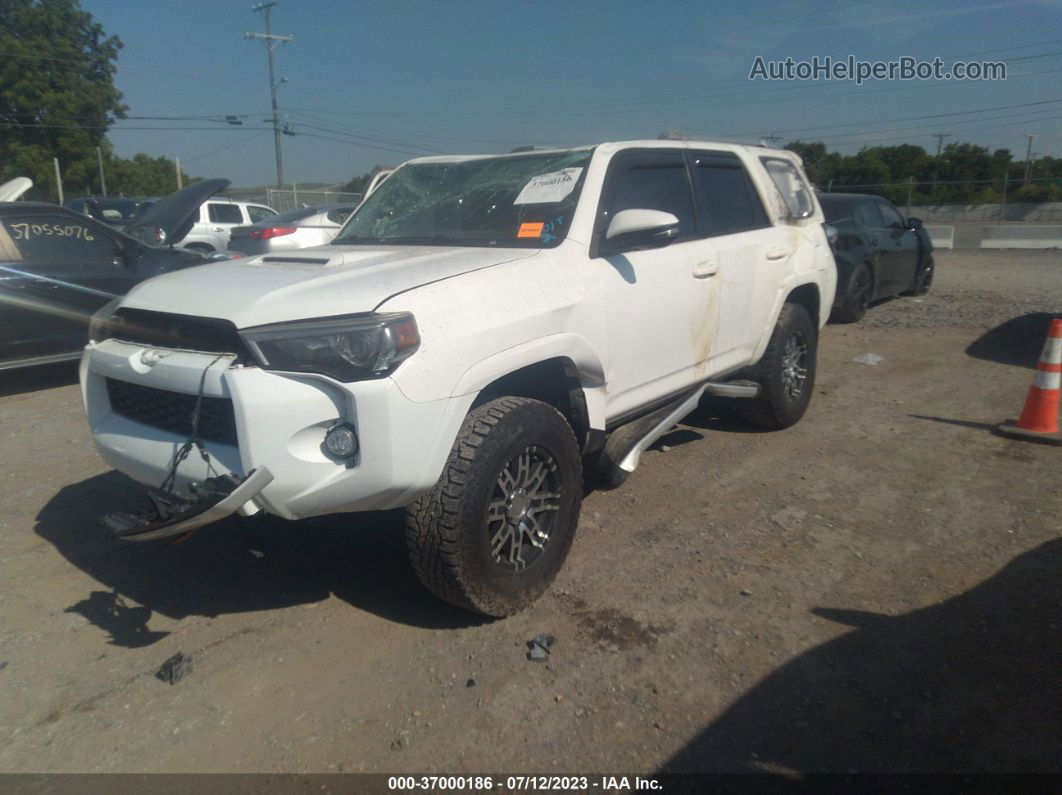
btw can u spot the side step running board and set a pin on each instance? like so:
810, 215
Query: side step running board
626, 444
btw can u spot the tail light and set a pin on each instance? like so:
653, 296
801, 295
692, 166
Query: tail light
270, 232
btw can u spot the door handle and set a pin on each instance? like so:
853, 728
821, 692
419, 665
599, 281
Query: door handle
218, 229
777, 253
703, 270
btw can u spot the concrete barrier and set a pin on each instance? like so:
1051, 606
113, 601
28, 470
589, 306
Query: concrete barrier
941, 236
1038, 236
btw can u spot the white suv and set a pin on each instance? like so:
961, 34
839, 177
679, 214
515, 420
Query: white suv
481, 330
216, 220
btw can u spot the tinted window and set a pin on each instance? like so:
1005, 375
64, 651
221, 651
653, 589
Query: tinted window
652, 182
259, 213
890, 215
58, 241
866, 214
726, 200
225, 213
791, 185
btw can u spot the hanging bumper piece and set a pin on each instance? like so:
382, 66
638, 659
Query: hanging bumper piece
214, 499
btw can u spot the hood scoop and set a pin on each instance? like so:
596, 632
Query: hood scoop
298, 260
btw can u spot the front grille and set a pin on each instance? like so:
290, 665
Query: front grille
184, 332
172, 411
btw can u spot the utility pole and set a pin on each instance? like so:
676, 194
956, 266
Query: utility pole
180, 182
271, 41
1028, 156
58, 179
936, 164
103, 180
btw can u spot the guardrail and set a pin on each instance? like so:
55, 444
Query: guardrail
1038, 236
941, 236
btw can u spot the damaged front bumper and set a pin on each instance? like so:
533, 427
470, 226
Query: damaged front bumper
171, 515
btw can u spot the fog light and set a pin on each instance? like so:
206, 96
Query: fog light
341, 441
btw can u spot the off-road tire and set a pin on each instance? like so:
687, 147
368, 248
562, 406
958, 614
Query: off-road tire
776, 408
447, 532
858, 291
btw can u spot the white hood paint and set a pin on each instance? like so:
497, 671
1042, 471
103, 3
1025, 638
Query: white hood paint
254, 292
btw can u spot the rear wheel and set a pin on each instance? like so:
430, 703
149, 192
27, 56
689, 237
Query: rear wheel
206, 248
786, 373
857, 295
495, 530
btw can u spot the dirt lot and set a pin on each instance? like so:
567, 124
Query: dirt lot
877, 588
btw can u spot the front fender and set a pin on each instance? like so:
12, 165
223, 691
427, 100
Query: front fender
564, 345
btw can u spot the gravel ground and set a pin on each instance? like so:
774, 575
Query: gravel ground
875, 589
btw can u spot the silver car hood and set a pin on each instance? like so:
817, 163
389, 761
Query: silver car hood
309, 283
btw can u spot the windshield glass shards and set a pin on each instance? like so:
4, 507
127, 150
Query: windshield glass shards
514, 201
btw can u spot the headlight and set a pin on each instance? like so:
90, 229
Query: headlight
100, 324
345, 348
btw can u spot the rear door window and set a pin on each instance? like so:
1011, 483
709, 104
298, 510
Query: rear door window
791, 185
727, 202
651, 181
224, 213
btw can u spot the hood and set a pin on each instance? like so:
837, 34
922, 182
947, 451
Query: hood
11, 191
308, 283
173, 214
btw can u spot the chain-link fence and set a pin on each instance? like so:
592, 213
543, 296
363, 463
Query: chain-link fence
284, 200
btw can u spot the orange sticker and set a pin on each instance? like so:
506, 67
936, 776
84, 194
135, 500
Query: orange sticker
530, 230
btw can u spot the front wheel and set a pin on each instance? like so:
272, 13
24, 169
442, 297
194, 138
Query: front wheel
786, 373
495, 530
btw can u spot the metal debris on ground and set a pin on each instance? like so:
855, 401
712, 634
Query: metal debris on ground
174, 669
538, 647
868, 358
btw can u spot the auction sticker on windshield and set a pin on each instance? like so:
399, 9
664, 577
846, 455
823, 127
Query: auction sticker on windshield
530, 230
549, 188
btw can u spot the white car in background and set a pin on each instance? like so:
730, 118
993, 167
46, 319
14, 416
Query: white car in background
304, 228
216, 220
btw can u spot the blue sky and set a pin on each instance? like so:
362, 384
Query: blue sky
387, 81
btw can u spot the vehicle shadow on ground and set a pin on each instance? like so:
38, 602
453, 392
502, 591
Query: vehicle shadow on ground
969, 684
359, 558
33, 379
1018, 341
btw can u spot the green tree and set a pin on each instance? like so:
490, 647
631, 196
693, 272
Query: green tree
359, 184
57, 71
143, 175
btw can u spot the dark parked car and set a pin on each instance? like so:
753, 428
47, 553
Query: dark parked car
878, 252
58, 266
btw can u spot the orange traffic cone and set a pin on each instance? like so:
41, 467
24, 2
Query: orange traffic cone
1039, 417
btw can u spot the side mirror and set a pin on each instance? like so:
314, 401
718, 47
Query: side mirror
637, 228
914, 223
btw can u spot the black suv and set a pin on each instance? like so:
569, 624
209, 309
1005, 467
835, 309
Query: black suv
878, 253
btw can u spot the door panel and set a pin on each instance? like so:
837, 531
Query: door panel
660, 315
880, 243
749, 253
904, 246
